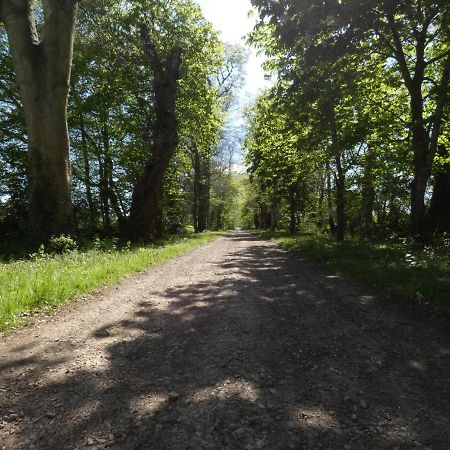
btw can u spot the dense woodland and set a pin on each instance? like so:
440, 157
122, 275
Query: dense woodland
354, 137
114, 120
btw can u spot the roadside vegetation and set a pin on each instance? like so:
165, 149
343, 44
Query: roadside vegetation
49, 279
152, 139
144, 149
354, 134
118, 120
353, 139
397, 266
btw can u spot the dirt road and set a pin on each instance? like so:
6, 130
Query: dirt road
236, 345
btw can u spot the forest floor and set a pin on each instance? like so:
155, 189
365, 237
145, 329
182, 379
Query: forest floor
236, 345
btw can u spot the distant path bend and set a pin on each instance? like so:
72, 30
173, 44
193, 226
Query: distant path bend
235, 345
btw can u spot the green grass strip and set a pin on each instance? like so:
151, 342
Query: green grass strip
400, 269
44, 284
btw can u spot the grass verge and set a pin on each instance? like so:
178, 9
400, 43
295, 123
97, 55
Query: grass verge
45, 283
398, 268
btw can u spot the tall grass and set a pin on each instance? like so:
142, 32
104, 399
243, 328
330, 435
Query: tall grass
398, 267
46, 282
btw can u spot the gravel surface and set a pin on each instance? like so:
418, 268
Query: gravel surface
236, 345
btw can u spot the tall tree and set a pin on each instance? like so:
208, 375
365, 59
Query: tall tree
182, 51
42, 67
146, 206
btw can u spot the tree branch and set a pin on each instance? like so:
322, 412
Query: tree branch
437, 58
150, 51
398, 50
439, 111
58, 35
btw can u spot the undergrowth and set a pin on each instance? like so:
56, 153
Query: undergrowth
49, 278
398, 266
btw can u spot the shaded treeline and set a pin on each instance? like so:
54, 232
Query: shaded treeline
355, 134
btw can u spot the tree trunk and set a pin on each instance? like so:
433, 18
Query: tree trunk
256, 221
146, 205
321, 199
331, 222
425, 130
273, 216
425, 144
42, 73
195, 203
438, 214
204, 193
368, 192
339, 178
340, 200
87, 174
292, 211
422, 169
103, 192
202, 188
264, 215
114, 200
108, 180
220, 217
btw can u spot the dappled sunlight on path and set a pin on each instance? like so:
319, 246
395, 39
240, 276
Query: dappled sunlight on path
237, 345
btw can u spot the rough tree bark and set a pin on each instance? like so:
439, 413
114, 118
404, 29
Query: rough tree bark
103, 191
202, 188
146, 205
425, 144
42, 68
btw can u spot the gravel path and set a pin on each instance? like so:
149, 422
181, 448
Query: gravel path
236, 345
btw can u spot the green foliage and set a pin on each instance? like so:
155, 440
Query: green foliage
13, 195
61, 244
339, 132
189, 229
43, 283
226, 199
106, 245
112, 114
112, 109
397, 266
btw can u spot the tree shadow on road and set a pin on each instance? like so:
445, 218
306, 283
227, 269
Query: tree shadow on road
275, 354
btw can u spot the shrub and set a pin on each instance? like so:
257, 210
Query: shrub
105, 245
61, 244
189, 229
